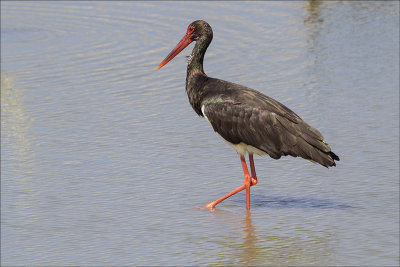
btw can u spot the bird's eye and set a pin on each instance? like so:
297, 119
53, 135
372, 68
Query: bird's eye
190, 30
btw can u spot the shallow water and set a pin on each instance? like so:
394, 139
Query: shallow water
103, 161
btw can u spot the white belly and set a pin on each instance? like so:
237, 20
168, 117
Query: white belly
242, 148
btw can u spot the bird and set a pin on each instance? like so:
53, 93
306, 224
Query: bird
248, 120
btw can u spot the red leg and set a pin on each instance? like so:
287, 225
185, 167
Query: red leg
247, 181
246, 185
211, 205
253, 170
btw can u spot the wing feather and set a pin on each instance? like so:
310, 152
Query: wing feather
272, 133
241, 114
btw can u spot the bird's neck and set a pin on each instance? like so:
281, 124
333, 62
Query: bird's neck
196, 76
195, 61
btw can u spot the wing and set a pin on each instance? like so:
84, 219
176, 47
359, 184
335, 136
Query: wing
255, 119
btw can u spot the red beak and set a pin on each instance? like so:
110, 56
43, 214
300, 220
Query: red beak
178, 48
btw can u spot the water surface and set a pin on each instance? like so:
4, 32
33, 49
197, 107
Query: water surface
103, 161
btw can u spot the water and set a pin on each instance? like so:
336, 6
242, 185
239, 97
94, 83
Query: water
103, 161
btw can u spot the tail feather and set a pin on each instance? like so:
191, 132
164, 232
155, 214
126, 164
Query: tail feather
302, 140
333, 155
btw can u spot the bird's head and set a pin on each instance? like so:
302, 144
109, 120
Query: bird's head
197, 30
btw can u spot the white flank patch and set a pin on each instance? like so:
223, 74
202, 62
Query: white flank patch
204, 114
242, 148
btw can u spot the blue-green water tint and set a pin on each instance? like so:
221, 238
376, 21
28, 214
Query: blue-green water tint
103, 162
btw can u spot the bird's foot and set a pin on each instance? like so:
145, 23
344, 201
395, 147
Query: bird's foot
253, 181
210, 205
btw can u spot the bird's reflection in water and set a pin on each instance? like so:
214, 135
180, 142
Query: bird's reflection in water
314, 10
245, 249
287, 242
249, 240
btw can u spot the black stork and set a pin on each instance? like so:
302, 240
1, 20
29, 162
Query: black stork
246, 119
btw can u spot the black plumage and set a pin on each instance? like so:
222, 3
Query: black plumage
240, 114
247, 119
